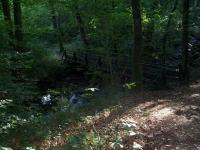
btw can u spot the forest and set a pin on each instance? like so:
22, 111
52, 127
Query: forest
99, 74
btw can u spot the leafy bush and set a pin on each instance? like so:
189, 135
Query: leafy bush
44, 63
84, 141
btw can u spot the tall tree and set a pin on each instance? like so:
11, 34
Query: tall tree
56, 21
82, 29
138, 43
18, 25
53, 15
164, 44
60, 36
154, 6
185, 39
7, 18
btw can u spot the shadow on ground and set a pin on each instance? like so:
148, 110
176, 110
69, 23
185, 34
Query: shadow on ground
164, 120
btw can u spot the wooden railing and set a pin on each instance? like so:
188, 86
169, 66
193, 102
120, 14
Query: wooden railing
120, 63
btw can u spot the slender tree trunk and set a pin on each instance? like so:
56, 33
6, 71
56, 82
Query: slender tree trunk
82, 29
53, 16
164, 44
60, 35
151, 25
138, 43
148, 33
18, 25
185, 39
196, 3
56, 22
7, 18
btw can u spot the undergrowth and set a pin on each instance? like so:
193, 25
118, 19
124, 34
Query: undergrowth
19, 130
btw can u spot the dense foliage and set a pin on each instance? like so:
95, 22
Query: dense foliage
63, 45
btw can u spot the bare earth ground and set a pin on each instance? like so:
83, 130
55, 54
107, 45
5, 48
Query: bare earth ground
163, 120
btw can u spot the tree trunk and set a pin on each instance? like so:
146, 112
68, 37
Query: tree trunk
56, 21
53, 15
164, 44
18, 25
138, 43
185, 39
7, 18
82, 29
151, 25
60, 36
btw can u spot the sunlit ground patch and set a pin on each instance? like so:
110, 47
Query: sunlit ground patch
162, 113
195, 86
195, 95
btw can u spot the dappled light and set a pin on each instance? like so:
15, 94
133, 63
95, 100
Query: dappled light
162, 113
99, 75
195, 86
195, 96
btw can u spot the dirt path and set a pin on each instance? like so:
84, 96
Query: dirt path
163, 120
